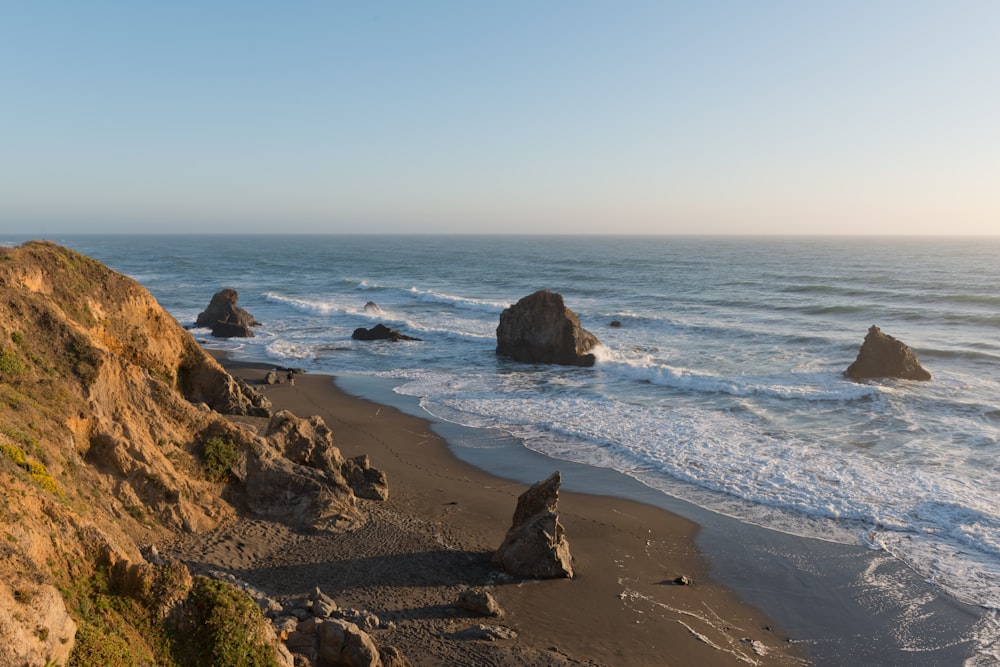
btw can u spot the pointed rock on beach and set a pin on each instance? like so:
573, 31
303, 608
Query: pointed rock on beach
536, 545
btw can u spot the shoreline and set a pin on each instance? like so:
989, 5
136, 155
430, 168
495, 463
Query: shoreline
621, 609
841, 604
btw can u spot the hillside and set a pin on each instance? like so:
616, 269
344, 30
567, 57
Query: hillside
116, 435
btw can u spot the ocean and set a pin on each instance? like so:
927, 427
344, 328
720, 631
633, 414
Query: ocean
722, 387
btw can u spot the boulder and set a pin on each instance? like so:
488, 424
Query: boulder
379, 332
882, 356
343, 643
367, 482
225, 318
480, 603
541, 329
372, 308
535, 545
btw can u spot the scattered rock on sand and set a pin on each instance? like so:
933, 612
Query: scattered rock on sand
479, 602
540, 329
535, 545
882, 355
225, 318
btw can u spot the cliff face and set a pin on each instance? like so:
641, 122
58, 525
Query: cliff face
112, 436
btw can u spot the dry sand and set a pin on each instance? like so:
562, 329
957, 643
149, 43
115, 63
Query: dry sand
434, 538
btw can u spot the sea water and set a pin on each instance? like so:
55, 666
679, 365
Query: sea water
723, 385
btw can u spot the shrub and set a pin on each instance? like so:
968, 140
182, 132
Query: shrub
10, 364
37, 471
222, 626
219, 455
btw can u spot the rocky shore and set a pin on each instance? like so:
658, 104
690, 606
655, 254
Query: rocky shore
158, 508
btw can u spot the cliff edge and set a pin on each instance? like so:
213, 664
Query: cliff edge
114, 436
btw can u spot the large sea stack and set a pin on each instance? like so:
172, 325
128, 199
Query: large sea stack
540, 329
883, 356
225, 318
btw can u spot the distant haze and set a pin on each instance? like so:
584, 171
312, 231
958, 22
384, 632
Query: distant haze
717, 117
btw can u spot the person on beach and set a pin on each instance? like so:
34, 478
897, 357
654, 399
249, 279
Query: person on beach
291, 378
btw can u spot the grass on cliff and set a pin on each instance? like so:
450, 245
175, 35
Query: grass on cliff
114, 630
222, 626
37, 472
217, 624
219, 454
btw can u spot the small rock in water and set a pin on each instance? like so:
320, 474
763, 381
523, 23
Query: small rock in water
683, 580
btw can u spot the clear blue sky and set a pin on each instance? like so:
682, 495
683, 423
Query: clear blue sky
873, 116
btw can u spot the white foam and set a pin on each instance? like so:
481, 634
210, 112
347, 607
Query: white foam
815, 385
945, 525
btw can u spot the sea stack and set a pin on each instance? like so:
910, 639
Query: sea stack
882, 356
540, 329
225, 318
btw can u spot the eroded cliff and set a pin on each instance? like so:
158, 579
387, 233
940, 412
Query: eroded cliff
113, 436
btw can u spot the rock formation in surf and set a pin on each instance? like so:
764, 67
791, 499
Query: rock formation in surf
380, 332
535, 545
882, 356
225, 318
541, 329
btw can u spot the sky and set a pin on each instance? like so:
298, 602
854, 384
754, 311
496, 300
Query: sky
583, 117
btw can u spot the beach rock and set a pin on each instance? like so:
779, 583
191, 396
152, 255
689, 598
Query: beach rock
343, 644
322, 604
541, 329
480, 603
380, 332
309, 442
535, 545
882, 355
615, 324
225, 318
273, 486
393, 657
367, 482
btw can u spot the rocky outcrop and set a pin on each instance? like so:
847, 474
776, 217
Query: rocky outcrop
379, 332
535, 545
295, 474
109, 406
35, 628
225, 318
883, 356
325, 635
541, 329
309, 442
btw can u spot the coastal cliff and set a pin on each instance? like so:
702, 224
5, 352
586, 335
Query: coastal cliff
117, 433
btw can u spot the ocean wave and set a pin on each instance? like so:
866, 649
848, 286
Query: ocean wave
814, 386
430, 296
311, 306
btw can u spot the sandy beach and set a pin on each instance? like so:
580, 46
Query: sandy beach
435, 536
